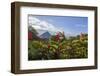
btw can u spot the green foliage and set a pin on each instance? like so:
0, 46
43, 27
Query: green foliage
56, 48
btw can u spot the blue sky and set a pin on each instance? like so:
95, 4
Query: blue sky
69, 24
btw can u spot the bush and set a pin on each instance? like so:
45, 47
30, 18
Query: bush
58, 47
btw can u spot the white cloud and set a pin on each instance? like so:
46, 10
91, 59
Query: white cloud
42, 25
33, 19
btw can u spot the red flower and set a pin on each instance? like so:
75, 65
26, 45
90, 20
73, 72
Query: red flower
30, 35
57, 37
48, 46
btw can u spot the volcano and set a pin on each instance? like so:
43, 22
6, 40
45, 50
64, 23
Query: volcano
45, 35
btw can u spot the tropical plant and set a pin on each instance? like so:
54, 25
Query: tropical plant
58, 47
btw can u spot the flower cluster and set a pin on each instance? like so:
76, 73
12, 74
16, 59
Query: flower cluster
57, 38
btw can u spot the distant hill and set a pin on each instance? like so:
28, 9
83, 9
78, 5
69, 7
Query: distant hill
45, 35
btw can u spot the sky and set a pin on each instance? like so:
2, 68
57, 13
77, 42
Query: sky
71, 25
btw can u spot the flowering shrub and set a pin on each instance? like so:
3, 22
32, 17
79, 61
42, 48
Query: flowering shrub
58, 47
